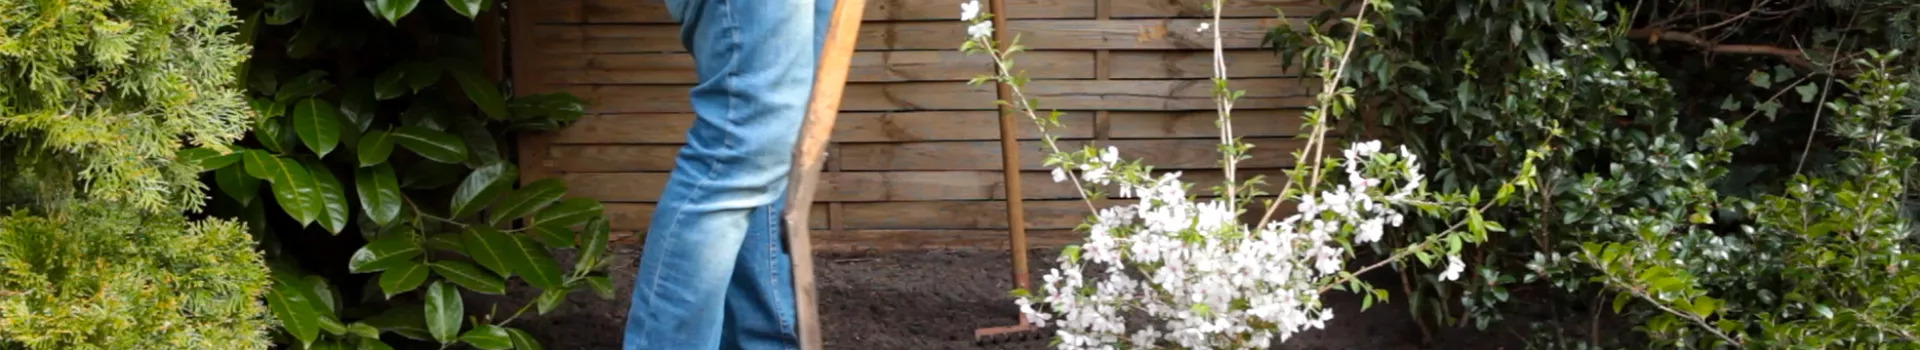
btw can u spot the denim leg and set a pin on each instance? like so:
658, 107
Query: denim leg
755, 61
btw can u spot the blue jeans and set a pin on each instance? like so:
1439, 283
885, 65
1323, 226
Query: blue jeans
715, 272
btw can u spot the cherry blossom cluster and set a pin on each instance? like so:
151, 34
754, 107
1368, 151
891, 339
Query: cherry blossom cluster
1203, 279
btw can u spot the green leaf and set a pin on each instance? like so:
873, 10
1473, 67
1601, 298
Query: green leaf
557, 237
569, 213
392, 11
488, 247
322, 296
443, 312
331, 325
435, 145
403, 277
1620, 301
550, 299
594, 245
1760, 79
407, 320
1807, 92
391, 83
385, 252
375, 147
364, 331
267, 108
480, 188
532, 261
527, 200
313, 83
292, 185
357, 106
469, 8
207, 158
274, 134
447, 242
556, 106
281, 12
373, 344
331, 196
602, 286
483, 93
237, 184
294, 311
522, 340
308, 39
379, 193
488, 337
470, 276
423, 73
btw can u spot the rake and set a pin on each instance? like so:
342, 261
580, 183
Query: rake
1024, 330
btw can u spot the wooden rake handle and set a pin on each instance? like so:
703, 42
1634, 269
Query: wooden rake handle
830, 80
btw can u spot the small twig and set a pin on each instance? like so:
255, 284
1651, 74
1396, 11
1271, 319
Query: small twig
1615, 281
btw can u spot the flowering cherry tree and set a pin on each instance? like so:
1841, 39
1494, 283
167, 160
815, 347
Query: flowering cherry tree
1175, 270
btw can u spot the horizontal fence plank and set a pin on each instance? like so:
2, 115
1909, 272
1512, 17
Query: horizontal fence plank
989, 215
956, 155
1075, 34
854, 241
1156, 95
1191, 94
856, 127
893, 186
637, 216
985, 155
900, 66
655, 11
857, 97
1232, 8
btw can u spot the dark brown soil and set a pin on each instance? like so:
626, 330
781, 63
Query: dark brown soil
935, 299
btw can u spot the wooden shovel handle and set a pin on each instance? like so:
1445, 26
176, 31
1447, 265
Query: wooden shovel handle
809, 155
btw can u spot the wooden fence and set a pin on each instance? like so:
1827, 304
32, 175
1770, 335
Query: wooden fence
916, 160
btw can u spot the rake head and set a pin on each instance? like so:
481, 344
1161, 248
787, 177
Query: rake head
1008, 334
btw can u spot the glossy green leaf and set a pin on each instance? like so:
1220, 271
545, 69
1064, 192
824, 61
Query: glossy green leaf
408, 320
375, 147
448, 243
482, 149
379, 192
331, 325
318, 125
527, 200
488, 247
322, 295
357, 106
469, 8
593, 245
480, 188
363, 330
570, 212
235, 182
550, 299
267, 108
373, 344
281, 12
292, 185
557, 237
531, 261
488, 337
443, 312
391, 83
602, 286
331, 195
422, 74
435, 145
274, 134
294, 311
470, 276
523, 341
385, 252
393, 10
207, 158
402, 277
482, 92
312, 83
555, 106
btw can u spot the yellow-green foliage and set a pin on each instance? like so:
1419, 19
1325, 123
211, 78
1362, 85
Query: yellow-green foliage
100, 276
112, 87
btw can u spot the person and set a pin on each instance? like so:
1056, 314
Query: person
714, 272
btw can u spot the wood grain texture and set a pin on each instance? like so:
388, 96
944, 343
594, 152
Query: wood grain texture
862, 127
856, 241
1072, 34
1166, 154
1191, 94
626, 11
891, 186
1232, 8
902, 66
859, 97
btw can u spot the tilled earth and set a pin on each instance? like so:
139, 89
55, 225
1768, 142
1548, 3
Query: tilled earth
935, 299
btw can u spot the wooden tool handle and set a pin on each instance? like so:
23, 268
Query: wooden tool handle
809, 155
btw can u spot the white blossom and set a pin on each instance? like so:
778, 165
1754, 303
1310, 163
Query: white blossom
982, 30
970, 10
1454, 267
1203, 26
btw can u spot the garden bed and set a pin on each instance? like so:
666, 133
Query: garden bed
935, 299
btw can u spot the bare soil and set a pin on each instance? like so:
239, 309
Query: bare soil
935, 300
